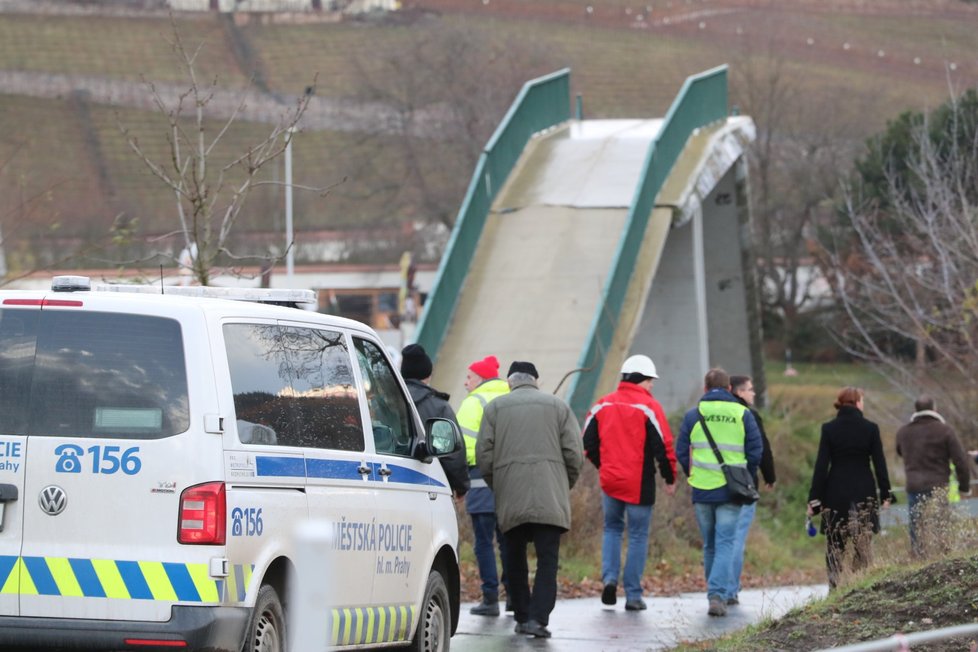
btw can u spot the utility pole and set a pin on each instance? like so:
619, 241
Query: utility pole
289, 249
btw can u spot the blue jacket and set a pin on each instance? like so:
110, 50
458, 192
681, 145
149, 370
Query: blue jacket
753, 446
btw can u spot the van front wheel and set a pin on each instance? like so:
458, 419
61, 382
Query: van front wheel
266, 632
435, 625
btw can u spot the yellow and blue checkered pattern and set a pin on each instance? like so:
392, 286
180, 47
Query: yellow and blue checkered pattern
176, 582
109, 578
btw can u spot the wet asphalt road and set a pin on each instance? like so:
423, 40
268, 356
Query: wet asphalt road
586, 625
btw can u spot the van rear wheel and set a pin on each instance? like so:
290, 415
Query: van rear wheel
266, 632
435, 626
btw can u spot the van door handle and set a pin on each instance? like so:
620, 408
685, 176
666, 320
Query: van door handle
384, 471
363, 469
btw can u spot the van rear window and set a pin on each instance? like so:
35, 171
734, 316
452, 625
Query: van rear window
91, 374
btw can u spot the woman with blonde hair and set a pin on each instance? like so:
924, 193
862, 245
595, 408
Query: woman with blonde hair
843, 487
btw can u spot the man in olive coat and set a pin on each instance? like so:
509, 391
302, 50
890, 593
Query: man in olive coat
530, 453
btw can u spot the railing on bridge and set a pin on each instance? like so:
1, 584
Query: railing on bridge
542, 103
702, 100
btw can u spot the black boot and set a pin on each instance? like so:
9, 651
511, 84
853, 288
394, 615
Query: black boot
488, 607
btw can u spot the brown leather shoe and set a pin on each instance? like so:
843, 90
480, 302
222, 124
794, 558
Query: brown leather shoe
717, 606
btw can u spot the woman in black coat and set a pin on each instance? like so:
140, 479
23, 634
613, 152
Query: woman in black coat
843, 489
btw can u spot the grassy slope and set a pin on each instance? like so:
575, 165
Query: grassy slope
620, 73
898, 597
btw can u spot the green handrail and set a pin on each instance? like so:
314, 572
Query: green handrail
542, 103
701, 100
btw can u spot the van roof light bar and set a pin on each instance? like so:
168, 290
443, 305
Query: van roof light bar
71, 284
257, 295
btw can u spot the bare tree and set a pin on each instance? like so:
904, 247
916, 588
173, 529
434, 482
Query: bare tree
802, 142
450, 75
904, 263
210, 185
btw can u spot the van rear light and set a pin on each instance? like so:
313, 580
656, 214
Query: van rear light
70, 303
153, 642
202, 514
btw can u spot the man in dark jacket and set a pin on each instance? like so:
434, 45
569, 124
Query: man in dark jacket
529, 452
928, 447
625, 434
416, 371
742, 387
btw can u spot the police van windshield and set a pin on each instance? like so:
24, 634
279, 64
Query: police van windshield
91, 374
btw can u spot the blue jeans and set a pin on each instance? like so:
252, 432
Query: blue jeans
718, 527
483, 529
928, 510
638, 518
740, 542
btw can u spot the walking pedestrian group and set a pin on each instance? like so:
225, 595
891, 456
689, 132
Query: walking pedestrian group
524, 451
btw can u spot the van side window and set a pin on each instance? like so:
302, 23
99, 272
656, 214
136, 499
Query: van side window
293, 387
390, 414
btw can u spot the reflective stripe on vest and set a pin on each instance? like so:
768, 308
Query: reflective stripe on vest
726, 422
469, 413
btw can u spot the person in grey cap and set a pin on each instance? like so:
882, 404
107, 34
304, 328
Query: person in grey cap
530, 453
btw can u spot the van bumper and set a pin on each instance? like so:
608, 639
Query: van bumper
214, 629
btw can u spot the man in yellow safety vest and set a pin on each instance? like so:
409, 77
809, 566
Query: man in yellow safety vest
484, 385
735, 432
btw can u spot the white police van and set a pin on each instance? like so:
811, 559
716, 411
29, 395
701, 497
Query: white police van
158, 450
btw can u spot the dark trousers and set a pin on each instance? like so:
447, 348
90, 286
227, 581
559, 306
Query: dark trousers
848, 542
546, 542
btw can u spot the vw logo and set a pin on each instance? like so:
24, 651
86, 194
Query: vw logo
53, 500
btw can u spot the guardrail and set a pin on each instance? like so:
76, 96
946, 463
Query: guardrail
905, 641
542, 103
701, 100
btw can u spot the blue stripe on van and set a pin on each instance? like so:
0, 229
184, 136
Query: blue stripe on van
41, 574
404, 475
6, 565
334, 469
183, 585
132, 576
87, 579
239, 583
292, 467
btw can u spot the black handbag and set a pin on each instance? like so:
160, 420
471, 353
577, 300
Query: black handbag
743, 491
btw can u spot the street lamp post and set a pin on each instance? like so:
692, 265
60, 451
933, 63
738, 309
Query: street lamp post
289, 252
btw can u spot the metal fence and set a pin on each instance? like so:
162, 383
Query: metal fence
701, 100
906, 641
542, 103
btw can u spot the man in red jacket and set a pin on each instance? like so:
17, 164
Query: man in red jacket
625, 433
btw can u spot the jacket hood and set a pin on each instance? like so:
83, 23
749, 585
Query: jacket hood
419, 391
719, 395
625, 386
926, 414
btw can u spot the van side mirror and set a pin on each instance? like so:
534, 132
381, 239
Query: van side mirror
442, 437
